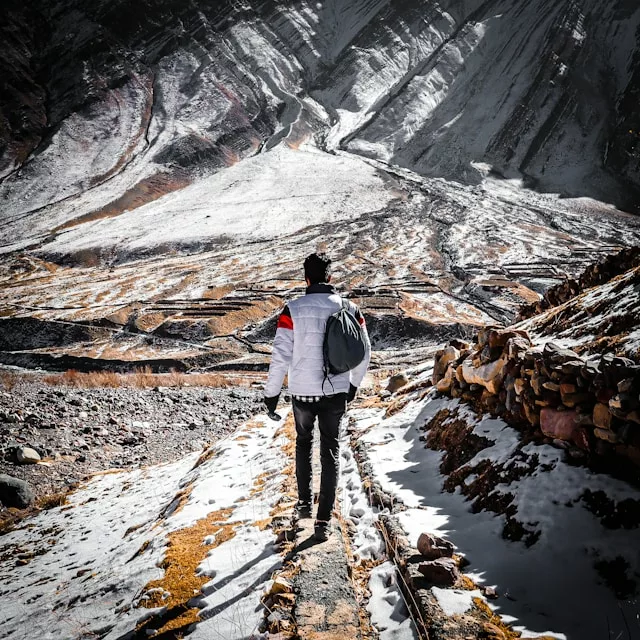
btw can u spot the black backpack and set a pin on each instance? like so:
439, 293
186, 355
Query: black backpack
343, 347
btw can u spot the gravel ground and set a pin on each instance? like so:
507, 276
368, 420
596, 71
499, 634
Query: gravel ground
80, 431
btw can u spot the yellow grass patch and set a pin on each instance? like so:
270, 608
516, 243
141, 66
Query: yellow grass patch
492, 624
184, 554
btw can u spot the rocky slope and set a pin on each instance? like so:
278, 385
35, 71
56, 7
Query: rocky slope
160, 91
77, 432
584, 398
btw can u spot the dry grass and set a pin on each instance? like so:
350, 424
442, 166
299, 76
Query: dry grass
233, 320
184, 554
491, 624
8, 380
142, 378
11, 518
52, 500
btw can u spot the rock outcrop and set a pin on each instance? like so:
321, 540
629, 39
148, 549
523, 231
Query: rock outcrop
582, 398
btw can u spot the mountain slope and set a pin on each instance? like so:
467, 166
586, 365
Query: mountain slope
143, 98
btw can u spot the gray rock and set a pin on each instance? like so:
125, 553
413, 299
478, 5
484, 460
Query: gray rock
27, 455
558, 355
15, 492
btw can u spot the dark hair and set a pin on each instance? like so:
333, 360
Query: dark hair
317, 268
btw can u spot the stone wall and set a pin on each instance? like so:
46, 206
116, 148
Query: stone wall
592, 408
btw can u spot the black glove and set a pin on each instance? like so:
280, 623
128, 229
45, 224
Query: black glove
352, 393
271, 403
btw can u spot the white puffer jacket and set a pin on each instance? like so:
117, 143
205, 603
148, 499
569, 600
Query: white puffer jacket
297, 348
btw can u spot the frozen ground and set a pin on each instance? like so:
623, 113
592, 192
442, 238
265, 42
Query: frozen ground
90, 560
550, 588
189, 278
222, 143
272, 195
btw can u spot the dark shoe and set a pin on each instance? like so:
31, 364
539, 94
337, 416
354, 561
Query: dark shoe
303, 510
321, 530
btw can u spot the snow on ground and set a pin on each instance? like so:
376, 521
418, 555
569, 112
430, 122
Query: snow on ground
267, 196
94, 556
389, 613
550, 588
386, 605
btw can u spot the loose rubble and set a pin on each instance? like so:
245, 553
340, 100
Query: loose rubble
54, 437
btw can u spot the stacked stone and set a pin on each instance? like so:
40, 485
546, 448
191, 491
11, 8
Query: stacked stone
595, 274
589, 406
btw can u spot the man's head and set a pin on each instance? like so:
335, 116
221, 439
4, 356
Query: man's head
317, 268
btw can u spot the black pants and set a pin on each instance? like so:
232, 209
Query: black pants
329, 411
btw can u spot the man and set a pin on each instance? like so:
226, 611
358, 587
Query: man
298, 351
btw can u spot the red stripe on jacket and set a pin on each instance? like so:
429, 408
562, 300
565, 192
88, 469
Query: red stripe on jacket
285, 322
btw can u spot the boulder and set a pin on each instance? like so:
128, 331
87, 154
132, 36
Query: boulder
501, 337
442, 572
15, 492
575, 367
445, 383
520, 385
397, 381
622, 404
531, 413
490, 376
517, 346
575, 399
581, 438
433, 547
536, 383
483, 336
606, 434
27, 455
559, 425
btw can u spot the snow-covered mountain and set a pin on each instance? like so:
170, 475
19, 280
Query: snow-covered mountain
132, 99
195, 145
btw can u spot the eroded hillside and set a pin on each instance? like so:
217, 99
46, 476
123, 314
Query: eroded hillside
165, 168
